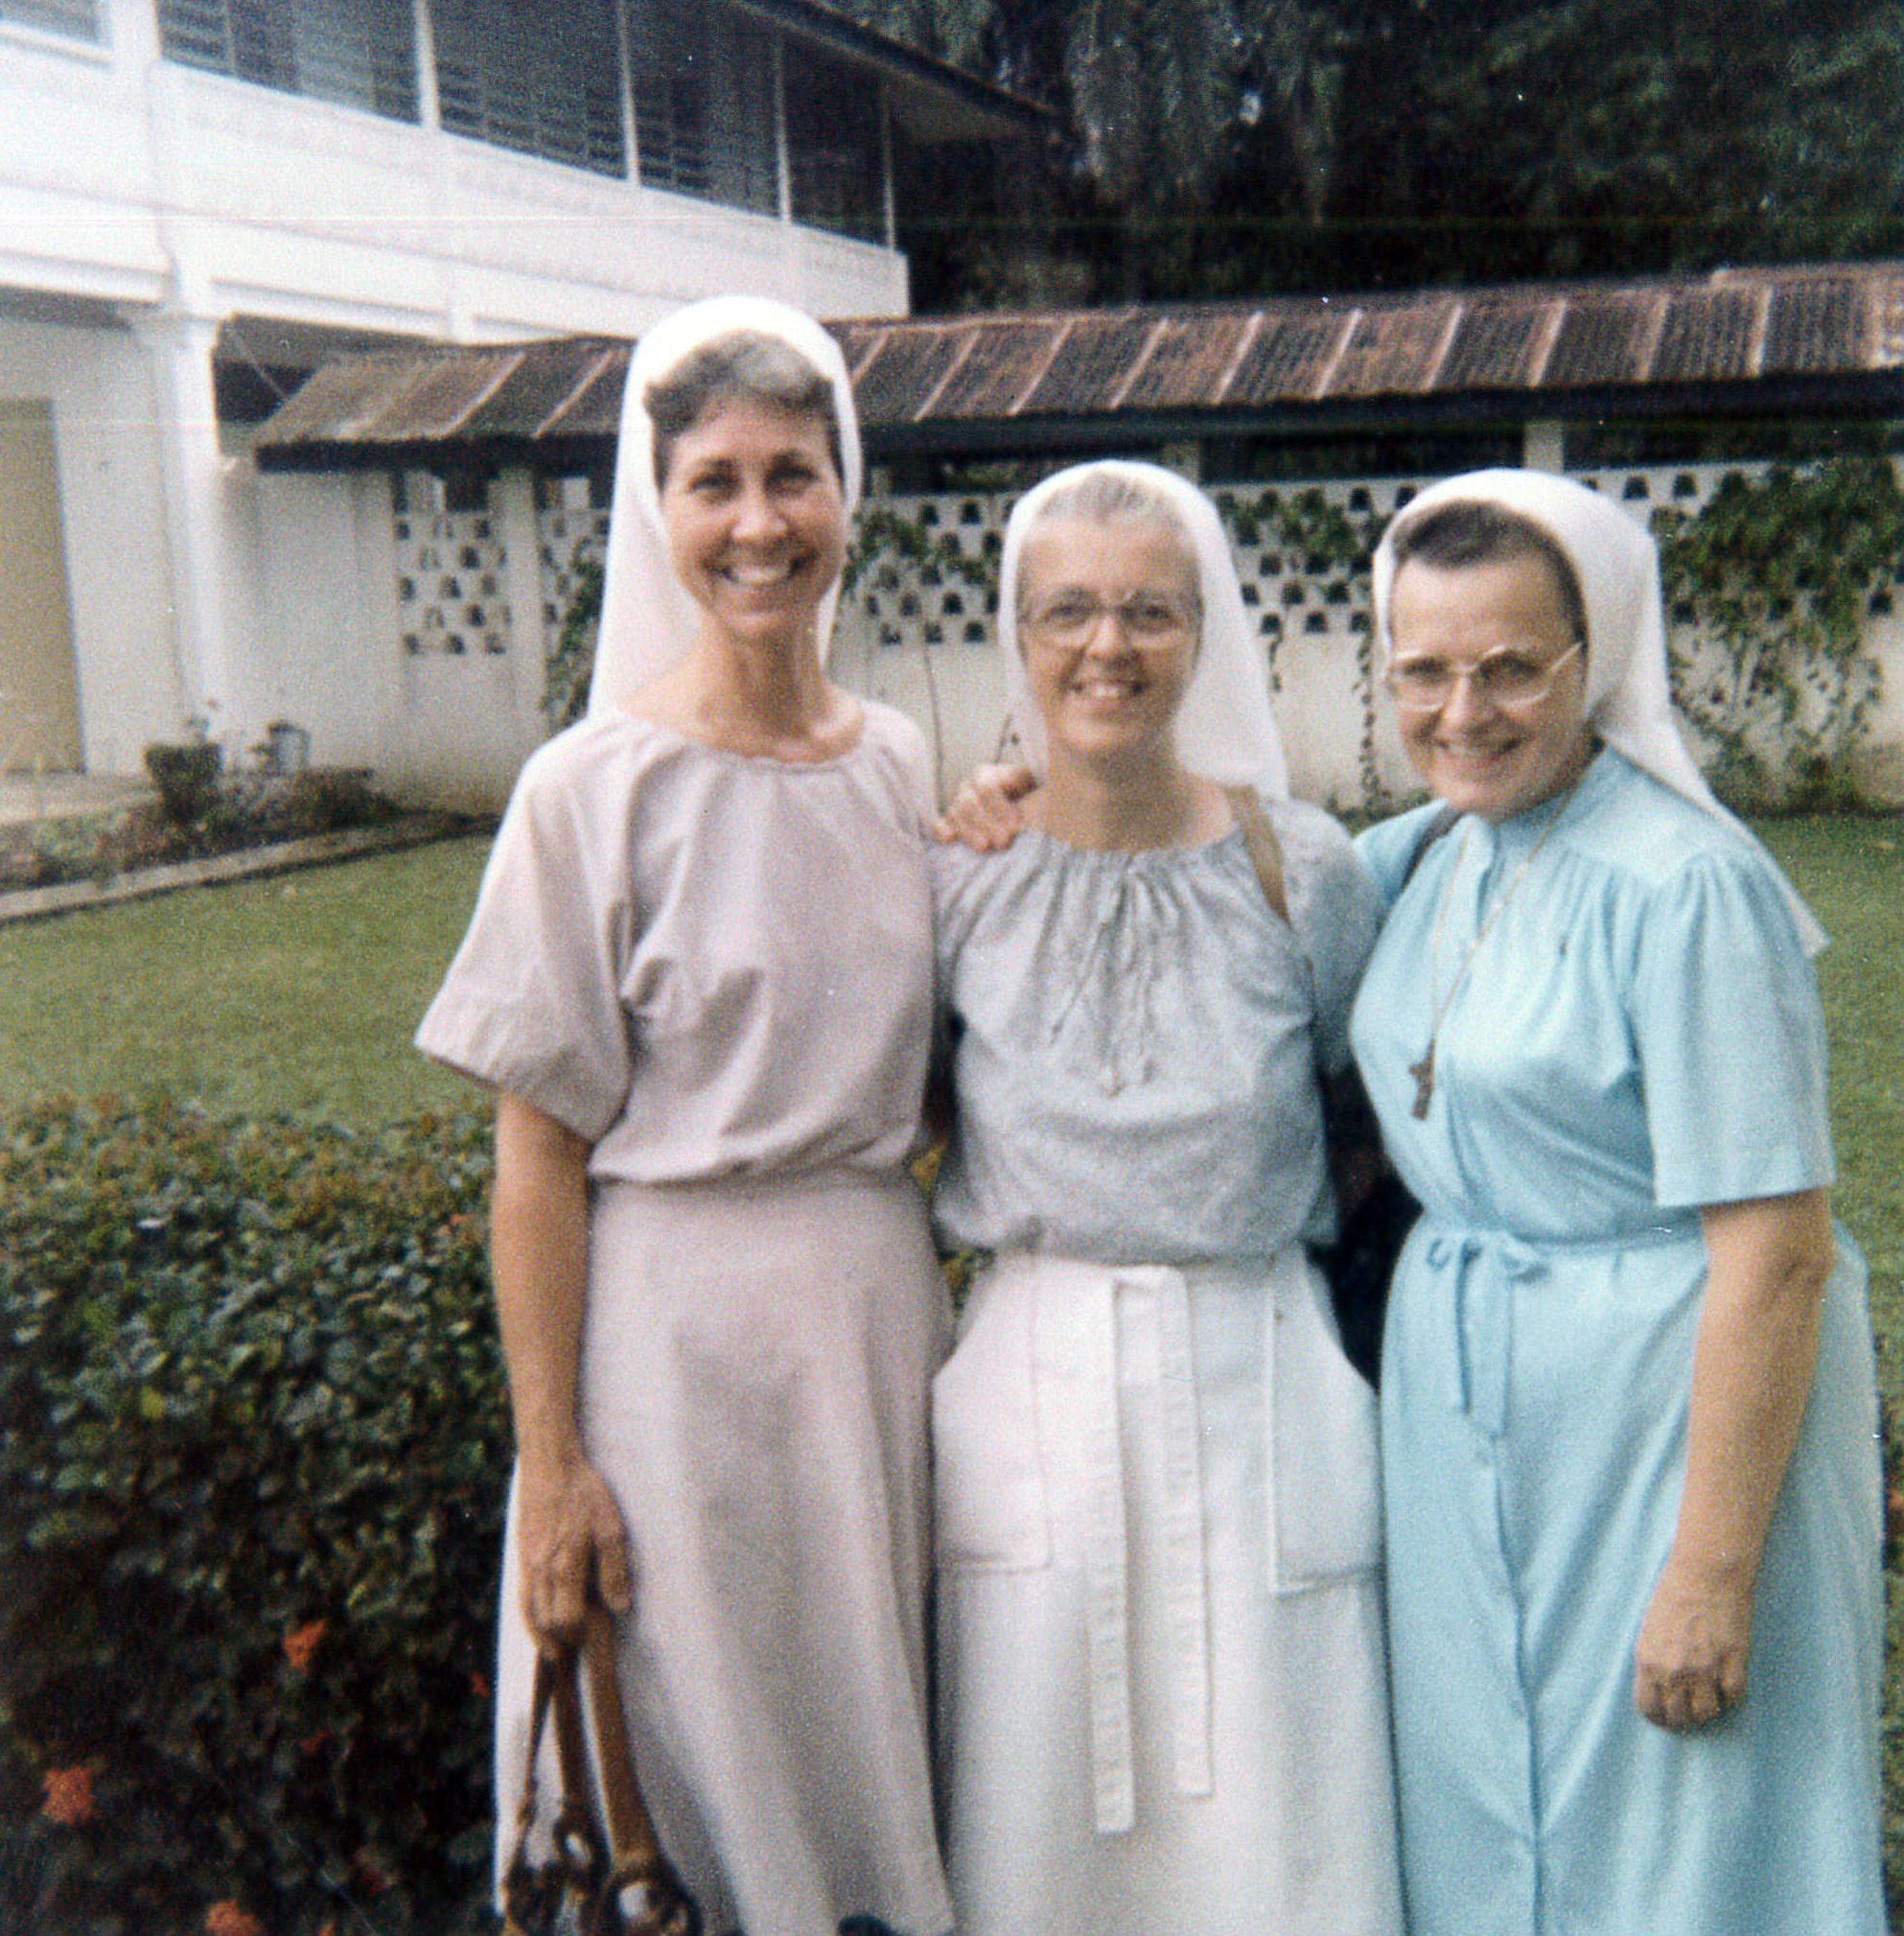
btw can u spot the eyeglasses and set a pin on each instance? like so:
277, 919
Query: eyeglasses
1069, 619
1507, 678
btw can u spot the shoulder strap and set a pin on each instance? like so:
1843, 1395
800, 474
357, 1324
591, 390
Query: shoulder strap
1265, 856
1430, 833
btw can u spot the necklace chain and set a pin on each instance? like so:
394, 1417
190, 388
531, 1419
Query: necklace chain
1423, 1071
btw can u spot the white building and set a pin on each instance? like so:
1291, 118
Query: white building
200, 199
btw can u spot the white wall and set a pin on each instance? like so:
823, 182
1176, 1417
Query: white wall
113, 520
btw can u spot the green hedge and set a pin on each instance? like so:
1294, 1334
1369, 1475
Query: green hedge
252, 1453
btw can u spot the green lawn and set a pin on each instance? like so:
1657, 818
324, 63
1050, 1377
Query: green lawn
295, 992
1853, 872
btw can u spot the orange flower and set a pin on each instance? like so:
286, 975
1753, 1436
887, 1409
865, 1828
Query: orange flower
69, 1796
230, 1918
301, 1643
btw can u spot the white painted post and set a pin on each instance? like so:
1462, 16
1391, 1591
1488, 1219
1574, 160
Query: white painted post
1544, 446
513, 508
198, 526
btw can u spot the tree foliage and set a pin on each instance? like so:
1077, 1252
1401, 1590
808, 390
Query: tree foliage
1210, 147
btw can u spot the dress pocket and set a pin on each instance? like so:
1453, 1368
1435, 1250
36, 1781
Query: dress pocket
1325, 1474
989, 1485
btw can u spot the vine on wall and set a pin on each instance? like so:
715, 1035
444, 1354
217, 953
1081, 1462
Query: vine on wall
1334, 545
1768, 587
571, 658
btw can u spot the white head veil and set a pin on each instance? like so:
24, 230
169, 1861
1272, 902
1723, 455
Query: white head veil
1224, 728
1628, 698
648, 620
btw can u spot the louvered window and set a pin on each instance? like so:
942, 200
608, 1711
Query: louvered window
526, 74
78, 18
703, 102
362, 53
835, 156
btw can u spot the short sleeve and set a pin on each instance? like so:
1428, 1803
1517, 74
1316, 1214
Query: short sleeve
1731, 1036
1337, 913
905, 745
532, 1003
1388, 848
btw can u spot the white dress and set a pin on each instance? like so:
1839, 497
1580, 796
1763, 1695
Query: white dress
1162, 1690
717, 969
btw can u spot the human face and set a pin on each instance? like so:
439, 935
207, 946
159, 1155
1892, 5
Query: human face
1472, 752
1114, 688
756, 520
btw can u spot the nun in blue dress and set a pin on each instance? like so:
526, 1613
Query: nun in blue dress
1627, 1408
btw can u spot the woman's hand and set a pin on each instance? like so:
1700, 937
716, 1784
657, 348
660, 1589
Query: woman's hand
572, 1543
988, 812
1689, 1667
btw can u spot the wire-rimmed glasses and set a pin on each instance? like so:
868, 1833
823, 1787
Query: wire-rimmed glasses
1070, 619
1507, 677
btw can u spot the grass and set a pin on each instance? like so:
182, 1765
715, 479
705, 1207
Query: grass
1852, 871
295, 992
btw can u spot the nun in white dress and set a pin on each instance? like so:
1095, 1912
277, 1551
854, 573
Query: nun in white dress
1161, 1675
700, 976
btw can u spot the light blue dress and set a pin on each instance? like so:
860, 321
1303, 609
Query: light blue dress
1638, 1035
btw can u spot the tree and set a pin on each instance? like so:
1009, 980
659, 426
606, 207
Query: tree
1216, 147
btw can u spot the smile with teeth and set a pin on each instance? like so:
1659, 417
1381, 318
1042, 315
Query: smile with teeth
760, 575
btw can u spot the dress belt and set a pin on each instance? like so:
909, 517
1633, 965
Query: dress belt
1078, 1320
1477, 1273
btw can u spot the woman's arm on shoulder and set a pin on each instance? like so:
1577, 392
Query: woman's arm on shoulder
988, 811
569, 1531
1767, 1261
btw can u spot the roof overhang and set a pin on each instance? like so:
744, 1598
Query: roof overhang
931, 100
1815, 340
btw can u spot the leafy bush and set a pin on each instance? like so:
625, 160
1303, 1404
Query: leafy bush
251, 1464
187, 778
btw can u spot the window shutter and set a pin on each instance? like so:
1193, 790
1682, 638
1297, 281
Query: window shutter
78, 17
835, 156
703, 102
360, 53
538, 79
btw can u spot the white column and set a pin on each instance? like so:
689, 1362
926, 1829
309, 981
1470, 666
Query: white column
512, 510
889, 213
198, 526
1544, 447
781, 149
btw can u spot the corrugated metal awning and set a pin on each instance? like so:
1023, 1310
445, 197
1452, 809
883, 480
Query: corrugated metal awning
1827, 336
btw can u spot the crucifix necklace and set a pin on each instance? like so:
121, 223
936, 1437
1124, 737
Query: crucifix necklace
1423, 1071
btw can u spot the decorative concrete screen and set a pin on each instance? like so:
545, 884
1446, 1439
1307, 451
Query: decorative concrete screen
449, 565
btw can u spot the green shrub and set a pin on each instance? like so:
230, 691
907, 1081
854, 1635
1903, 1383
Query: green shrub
187, 778
251, 1464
